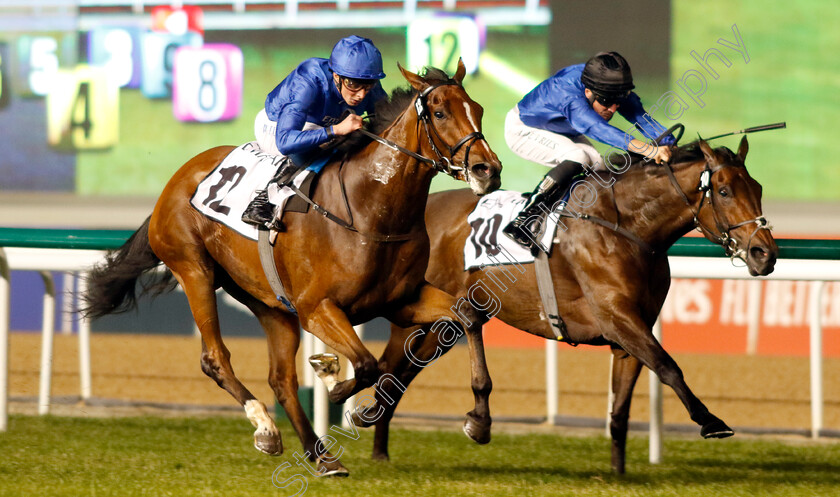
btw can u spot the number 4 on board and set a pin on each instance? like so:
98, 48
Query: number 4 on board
83, 110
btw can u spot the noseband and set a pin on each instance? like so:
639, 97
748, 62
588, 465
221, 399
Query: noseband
722, 237
443, 163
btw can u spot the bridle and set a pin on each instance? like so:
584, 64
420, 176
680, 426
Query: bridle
723, 237
443, 163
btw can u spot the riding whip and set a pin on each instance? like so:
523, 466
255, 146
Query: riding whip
754, 129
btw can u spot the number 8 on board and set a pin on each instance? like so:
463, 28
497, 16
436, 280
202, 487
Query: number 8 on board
207, 83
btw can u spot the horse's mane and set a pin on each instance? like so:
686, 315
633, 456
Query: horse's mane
388, 109
683, 154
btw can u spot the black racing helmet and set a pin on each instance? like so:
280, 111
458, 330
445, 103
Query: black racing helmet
608, 74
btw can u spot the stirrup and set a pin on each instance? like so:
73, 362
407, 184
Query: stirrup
518, 232
260, 212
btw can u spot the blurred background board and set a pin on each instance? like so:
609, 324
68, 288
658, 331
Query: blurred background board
714, 66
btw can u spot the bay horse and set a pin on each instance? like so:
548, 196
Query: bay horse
337, 277
609, 288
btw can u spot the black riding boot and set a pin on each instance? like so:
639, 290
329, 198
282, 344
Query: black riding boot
260, 212
525, 229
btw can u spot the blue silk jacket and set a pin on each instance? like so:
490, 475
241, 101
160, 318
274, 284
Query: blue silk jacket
559, 104
309, 94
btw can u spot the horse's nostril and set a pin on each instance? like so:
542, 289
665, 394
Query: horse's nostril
759, 254
480, 170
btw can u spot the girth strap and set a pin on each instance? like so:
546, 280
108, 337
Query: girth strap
270, 269
545, 284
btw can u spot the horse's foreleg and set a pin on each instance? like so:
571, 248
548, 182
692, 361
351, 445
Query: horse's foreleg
215, 357
395, 361
439, 309
630, 332
331, 326
625, 372
281, 329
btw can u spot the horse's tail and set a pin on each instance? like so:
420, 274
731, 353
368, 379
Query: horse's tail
112, 285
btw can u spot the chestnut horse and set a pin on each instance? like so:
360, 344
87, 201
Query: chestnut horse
337, 277
609, 288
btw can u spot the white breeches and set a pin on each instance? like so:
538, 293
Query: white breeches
548, 148
265, 130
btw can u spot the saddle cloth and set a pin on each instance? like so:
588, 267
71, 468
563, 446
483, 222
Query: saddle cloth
487, 245
225, 193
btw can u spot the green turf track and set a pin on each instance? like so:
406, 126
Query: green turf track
60, 456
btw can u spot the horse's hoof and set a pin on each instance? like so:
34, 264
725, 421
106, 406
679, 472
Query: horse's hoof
479, 432
359, 421
268, 443
380, 456
333, 468
716, 429
325, 364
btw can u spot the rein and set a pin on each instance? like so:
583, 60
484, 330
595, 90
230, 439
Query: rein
442, 164
349, 225
723, 237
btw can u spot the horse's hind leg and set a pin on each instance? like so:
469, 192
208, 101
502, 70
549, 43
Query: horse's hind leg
625, 372
197, 282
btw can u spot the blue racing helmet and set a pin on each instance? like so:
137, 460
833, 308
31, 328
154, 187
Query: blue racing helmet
356, 57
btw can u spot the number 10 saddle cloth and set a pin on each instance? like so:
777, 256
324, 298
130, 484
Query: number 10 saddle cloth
487, 245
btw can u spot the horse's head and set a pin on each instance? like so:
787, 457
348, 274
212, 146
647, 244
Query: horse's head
452, 123
730, 209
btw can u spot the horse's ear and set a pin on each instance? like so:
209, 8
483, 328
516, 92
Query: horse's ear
743, 148
708, 153
416, 82
461, 72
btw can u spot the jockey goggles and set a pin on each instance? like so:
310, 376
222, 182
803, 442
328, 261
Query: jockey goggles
355, 85
610, 100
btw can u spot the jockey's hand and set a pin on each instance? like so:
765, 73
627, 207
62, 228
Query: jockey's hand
350, 124
662, 154
659, 154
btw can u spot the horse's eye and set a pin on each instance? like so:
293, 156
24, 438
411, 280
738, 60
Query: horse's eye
439, 115
724, 191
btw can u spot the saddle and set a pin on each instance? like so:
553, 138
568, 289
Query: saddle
286, 174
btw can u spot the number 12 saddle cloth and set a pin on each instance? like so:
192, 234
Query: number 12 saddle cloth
225, 193
487, 245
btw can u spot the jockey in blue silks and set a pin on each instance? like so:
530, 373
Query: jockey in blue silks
305, 110
550, 126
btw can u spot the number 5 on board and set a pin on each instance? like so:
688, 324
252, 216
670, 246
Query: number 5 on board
83, 109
